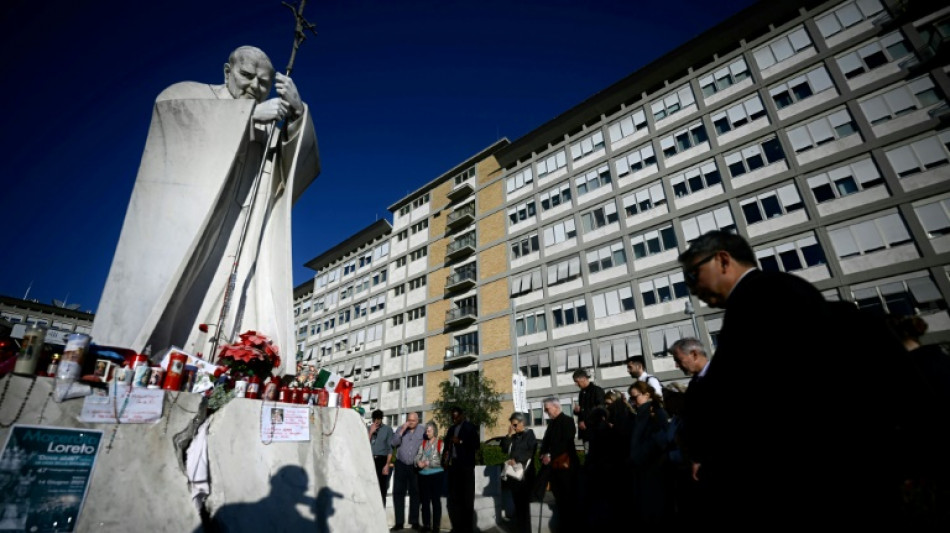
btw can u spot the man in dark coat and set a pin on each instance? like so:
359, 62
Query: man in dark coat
461, 444
590, 397
559, 457
780, 447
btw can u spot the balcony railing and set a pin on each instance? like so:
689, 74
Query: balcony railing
461, 353
461, 315
463, 246
463, 279
461, 190
461, 216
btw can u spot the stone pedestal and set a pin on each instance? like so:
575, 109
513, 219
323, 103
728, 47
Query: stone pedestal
326, 484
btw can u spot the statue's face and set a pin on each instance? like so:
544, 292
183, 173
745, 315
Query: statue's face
249, 78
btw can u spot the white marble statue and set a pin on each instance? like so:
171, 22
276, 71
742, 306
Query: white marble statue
180, 237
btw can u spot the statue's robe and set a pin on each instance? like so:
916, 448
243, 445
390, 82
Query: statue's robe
181, 231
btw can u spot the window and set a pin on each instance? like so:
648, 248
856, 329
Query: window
615, 350
564, 270
753, 157
379, 277
555, 196
771, 204
560, 232
869, 236
329, 323
526, 282
845, 180
416, 313
419, 226
783, 48
801, 87
467, 379
361, 285
568, 313
628, 125
366, 259
420, 201
587, 145
414, 380
592, 180
360, 309
524, 246
662, 337
381, 250
738, 115
346, 292
719, 218
695, 179
662, 289
415, 346
608, 256
343, 317
673, 102
399, 290
653, 242
530, 322
906, 98
935, 217
724, 78
684, 140
635, 160
846, 16
535, 365
791, 256
315, 328
572, 357
415, 283
934, 34
401, 262
349, 268
613, 302
399, 319
464, 176
418, 253
518, 180
835, 126
521, 212
466, 344
551, 164
914, 294
645, 199
920, 156
599, 217
876, 54
377, 303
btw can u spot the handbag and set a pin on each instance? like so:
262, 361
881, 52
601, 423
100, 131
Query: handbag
514, 471
561, 462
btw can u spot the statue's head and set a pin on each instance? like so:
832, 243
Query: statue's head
249, 74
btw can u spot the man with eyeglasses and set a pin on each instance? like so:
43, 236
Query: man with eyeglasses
768, 435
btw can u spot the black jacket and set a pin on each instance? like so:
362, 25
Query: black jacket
520, 446
588, 399
464, 452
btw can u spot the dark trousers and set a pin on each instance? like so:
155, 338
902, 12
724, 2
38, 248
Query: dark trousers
461, 500
380, 462
563, 484
521, 496
406, 479
430, 491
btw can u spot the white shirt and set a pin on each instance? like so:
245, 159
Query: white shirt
652, 381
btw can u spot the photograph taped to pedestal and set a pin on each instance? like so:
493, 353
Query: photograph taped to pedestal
282, 423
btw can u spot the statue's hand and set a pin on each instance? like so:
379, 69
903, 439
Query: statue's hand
287, 91
270, 110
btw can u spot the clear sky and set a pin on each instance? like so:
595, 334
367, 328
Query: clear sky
400, 91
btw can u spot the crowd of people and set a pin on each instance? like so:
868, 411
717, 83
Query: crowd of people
754, 439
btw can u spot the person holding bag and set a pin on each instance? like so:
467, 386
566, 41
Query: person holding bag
560, 464
518, 475
429, 462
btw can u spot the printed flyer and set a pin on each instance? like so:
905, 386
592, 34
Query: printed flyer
44, 477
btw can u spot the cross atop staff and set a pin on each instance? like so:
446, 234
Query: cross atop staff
299, 35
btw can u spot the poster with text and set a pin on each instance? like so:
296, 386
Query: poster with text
283, 423
44, 477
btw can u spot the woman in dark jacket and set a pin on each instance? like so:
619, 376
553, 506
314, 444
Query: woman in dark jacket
520, 445
648, 447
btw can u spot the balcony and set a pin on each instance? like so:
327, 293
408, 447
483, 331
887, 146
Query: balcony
461, 247
461, 354
461, 217
461, 191
462, 280
460, 316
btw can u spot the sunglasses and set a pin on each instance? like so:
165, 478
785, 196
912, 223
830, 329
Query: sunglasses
691, 274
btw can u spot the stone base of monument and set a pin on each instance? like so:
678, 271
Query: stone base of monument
326, 484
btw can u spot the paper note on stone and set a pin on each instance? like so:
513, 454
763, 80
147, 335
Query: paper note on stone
281, 423
144, 406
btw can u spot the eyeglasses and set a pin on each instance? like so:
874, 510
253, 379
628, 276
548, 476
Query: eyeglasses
691, 274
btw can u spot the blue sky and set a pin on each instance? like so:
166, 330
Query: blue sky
400, 92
